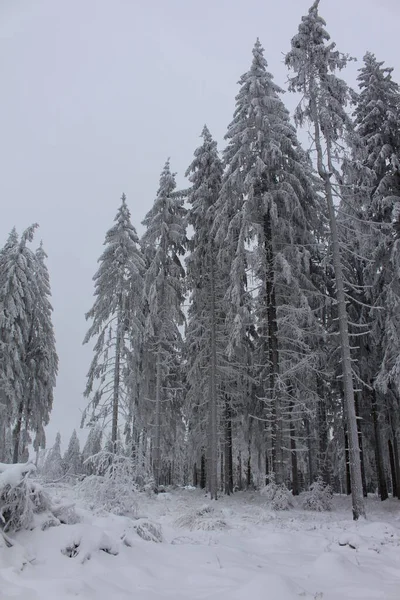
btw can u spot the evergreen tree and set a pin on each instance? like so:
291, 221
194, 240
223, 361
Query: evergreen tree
163, 243
117, 322
265, 213
315, 61
374, 192
72, 459
93, 446
205, 281
27, 346
53, 464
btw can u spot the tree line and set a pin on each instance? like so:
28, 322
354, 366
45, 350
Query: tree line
251, 334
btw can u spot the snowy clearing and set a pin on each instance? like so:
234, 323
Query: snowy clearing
185, 547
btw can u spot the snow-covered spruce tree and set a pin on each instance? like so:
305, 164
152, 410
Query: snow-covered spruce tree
314, 62
204, 281
92, 446
163, 244
72, 459
27, 346
376, 165
117, 323
53, 464
265, 213
41, 356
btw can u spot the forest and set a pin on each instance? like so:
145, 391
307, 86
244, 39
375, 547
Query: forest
250, 338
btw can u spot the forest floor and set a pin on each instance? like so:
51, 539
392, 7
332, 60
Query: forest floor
233, 549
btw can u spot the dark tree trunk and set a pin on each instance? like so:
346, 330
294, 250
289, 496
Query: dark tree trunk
203, 478
228, 459
380, 470
392, 467
195, 477
222, 471
266, 468
323, 470
273, 353
248, 472
396, 462
360, 443
295, 479
309, 454
239, 478
347, 460
17, 433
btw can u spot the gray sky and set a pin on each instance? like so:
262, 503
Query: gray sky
96, 94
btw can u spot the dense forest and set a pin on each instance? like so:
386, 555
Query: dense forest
251, 335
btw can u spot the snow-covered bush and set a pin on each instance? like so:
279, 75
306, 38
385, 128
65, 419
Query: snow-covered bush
147, 530
20, 497
319, 497
112, 488
277, 496
205, 518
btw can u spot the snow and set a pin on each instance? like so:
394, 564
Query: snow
12, 475
260, 553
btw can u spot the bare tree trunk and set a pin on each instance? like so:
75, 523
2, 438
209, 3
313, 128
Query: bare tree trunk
396, 462
293, 453
347, 461
228, 459
157, 423
323, 469
273, 353
360, 443
203, 478
380, 470
117, 368
212, 466
17, 433
240, 476
309, 453
392, 468
354, 450
248, 472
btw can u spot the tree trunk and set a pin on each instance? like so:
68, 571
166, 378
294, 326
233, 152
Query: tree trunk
293, 453
17, 433
396, 462
239, 477
195, 478
273, 353
248, 473
157, 424
360, 443
392, 468
212, 466
347, 460
309, 453
203, 478
354, 450
323, 469
117, 366
228, 460
380, 470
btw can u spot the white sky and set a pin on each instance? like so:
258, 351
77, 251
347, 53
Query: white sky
96, 94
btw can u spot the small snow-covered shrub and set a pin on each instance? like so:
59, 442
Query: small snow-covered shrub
205, 518
20, 497
66, 513
112, 488
277, 496
86, 540
319, 497
147, 530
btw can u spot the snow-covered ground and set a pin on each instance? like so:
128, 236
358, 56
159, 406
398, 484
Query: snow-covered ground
237, 550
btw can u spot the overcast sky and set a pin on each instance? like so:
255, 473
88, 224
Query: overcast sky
96, 94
